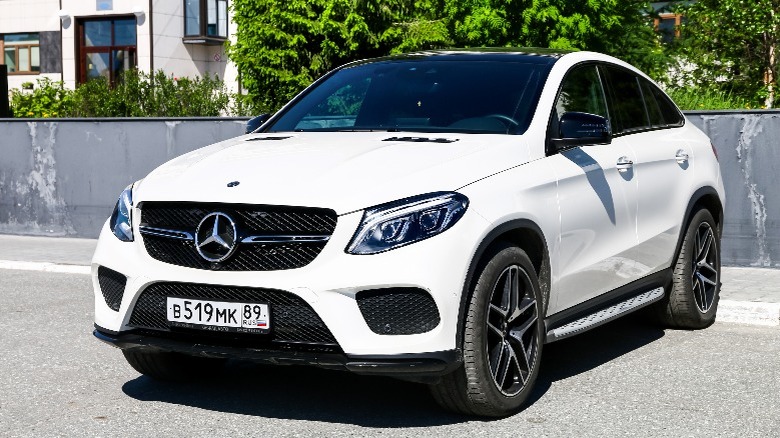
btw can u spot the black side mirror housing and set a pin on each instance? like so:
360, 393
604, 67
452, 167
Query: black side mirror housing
582, 129
256, 122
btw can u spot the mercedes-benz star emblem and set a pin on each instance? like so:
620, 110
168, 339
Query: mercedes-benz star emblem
216, 237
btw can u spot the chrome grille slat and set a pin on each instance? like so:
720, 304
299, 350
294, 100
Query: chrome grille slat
276, 238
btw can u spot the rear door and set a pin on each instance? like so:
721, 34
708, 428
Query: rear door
663, 165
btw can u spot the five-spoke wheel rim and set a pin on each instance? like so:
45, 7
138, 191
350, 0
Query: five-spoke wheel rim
512, 330
705, 270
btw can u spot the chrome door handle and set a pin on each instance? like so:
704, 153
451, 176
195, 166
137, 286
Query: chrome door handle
681, 156
624, 164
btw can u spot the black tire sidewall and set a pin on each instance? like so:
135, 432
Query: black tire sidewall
482, 389
682, 286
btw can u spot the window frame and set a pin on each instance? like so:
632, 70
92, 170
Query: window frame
83, 49
202, 36
640, 79
18, 47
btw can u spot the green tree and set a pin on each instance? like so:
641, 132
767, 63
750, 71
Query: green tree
282, 46
733, 45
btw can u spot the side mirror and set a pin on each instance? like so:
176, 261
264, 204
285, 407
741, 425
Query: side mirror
256, 122
582, 129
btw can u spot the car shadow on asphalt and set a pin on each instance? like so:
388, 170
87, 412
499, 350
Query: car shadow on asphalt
312, 394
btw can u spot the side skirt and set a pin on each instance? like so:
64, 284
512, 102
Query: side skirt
607, 307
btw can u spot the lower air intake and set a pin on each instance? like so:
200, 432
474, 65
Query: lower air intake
398, 311
112, 286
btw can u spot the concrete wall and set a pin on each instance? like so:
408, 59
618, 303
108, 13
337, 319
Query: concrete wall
749, 151
62, 177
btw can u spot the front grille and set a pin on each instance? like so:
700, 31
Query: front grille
112, 286
250, 220
293, 321
398, 311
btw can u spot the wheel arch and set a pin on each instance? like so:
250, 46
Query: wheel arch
526, 235
705, 197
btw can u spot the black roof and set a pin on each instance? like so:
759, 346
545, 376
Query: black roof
531, 55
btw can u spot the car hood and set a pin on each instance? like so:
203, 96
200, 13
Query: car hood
344, 171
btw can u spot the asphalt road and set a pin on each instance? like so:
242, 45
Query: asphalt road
624, 379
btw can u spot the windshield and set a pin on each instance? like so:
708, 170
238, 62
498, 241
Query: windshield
475, 96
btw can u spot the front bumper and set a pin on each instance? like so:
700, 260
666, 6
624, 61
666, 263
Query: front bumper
419, 366
329, 284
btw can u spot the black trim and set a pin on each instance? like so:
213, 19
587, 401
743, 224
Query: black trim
418, 365
697, 196
476, 263
659, 279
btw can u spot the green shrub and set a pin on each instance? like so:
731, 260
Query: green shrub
707, 99
49, 99
136, 94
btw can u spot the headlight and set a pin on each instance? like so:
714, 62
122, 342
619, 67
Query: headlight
410, 220
121, 222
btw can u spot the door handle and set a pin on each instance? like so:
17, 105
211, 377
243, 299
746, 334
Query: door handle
681, 156
624, 164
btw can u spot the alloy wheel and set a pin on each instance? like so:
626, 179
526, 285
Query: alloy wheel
512, 330
705, 272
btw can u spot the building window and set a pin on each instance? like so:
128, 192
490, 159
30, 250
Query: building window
668, 25
107, 47
21, 53
205, 21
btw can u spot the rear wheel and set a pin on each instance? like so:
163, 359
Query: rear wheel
692, 301
502, 342
162, 365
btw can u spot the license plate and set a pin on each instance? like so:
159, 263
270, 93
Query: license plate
218, 316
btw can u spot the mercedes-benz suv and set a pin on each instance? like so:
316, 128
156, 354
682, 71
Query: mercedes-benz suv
437, 217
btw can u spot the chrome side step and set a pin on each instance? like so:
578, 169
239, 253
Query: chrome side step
605, 315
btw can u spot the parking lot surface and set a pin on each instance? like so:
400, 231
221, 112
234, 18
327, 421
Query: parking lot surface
627, 378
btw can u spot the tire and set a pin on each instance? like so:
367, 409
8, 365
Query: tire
692, 301
175, 367
502, 341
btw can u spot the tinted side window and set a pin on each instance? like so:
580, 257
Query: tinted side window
628, 107
582, 92
671, 114
653, 110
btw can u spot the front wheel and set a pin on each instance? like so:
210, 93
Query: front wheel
502, 342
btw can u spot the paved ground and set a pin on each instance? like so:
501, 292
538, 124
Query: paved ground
623, 379
748, 295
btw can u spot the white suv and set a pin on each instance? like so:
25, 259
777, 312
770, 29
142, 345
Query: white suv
436, 217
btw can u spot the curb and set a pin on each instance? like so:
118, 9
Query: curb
747, 312
45, 267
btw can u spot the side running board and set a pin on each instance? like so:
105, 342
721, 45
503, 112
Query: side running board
605, 315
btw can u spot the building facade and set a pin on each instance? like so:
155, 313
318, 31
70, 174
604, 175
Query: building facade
76, 40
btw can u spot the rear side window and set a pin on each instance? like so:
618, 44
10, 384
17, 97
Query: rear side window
638, 104
671, 115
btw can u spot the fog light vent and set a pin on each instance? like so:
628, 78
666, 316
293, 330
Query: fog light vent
112, 285
398, 311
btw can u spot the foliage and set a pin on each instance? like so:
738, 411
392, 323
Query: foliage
706, 99
50, 99
733, 44
282, 46
137, 94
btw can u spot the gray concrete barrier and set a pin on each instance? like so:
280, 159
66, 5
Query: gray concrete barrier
62, 177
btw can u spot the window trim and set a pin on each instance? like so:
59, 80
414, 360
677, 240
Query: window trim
611, 96
202, 37
82, 49
18, 47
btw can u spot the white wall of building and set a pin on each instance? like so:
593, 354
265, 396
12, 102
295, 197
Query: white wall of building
159, 37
